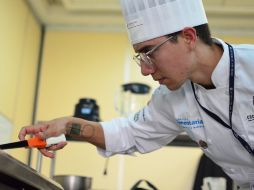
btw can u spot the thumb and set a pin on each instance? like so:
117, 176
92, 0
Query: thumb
44, 134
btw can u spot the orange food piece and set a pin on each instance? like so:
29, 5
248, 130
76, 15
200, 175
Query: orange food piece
36, 142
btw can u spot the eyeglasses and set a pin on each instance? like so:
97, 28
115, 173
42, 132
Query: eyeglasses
145, 57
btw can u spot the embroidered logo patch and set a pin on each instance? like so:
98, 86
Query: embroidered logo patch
190, 124
250, 117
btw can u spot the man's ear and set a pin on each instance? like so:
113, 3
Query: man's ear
189, 35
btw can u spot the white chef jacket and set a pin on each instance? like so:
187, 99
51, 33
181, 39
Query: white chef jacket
171, 112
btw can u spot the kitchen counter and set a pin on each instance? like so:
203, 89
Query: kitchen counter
16, 175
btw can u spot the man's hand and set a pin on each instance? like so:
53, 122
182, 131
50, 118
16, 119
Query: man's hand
76, 128
45, 130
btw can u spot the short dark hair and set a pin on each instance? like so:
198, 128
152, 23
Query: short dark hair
203, 32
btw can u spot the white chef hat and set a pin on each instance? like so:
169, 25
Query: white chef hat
148, 19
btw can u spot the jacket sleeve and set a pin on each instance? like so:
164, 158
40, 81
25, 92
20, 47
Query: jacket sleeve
147, 130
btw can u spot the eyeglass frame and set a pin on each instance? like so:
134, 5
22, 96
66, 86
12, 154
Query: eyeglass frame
145, 56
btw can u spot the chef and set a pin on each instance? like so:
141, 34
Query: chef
206, 90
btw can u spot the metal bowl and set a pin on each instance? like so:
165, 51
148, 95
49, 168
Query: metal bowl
73, 182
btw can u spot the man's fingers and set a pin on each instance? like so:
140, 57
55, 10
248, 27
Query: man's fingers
33, 129
44, 133
22, 134
46, 153
26, 130
57, 146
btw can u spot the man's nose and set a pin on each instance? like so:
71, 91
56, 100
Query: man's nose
147, 69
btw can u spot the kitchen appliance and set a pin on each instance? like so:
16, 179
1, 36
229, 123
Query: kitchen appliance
87, 109
74, 182
131, 97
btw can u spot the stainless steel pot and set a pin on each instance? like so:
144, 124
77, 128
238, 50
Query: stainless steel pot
73, 182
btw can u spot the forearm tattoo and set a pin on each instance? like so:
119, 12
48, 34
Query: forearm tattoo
76, 129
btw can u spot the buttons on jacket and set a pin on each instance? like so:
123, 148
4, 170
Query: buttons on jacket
203, 144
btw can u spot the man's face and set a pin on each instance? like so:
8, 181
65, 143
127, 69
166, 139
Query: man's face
172, 61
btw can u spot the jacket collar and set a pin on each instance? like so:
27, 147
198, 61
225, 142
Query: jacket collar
221, 71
